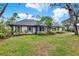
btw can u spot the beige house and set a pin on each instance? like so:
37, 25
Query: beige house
27, 26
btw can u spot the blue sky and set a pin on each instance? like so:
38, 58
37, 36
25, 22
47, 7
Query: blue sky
12, 7
57, 13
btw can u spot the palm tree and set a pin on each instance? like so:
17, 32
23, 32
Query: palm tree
12, 19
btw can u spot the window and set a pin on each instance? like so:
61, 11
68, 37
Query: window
18, 29
29, 28
41, 28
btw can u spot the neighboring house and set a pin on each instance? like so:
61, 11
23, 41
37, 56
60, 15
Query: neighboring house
27, 26
57, 27
69, 27
78, 25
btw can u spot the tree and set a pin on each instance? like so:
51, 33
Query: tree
3, 9
72, 12
68, 24
12, 19
5, 31
48, 22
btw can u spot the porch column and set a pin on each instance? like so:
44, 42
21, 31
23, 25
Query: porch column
13, 29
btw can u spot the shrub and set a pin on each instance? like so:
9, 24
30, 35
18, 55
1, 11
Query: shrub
2, 35
42, 33
5, 31
60, 32
8, 31
47, 33
51, 33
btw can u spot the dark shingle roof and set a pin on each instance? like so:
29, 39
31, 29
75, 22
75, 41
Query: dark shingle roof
31, 22
27, 22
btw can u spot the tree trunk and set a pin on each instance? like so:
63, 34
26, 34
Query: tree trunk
75, 26
3, 9
76, 30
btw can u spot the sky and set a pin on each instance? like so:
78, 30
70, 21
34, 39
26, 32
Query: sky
27, 10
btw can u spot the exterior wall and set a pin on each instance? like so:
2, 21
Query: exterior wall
57, 28
78, 27
38, 30
24, 29
78, 31
13, 28
34, 29
45, 29
60, 29
42, 29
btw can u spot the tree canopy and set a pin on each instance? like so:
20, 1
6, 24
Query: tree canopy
48, 21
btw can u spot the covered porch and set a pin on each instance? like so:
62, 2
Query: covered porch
28, 29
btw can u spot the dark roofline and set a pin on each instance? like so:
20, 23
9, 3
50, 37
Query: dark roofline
26, 22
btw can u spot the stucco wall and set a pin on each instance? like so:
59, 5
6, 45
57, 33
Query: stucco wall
34, 29
13, 28
24, 29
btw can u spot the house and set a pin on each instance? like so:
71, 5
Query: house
57, 27
78, 25
27, 26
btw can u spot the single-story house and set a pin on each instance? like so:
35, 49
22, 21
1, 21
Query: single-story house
57, 27
27, 26
78, 26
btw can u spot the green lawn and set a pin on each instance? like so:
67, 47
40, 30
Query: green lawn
30, 45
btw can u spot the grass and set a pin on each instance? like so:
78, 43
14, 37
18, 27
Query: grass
30, 45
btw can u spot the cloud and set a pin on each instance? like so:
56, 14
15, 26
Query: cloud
59, 14
27, 16
38, 6
22, 15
